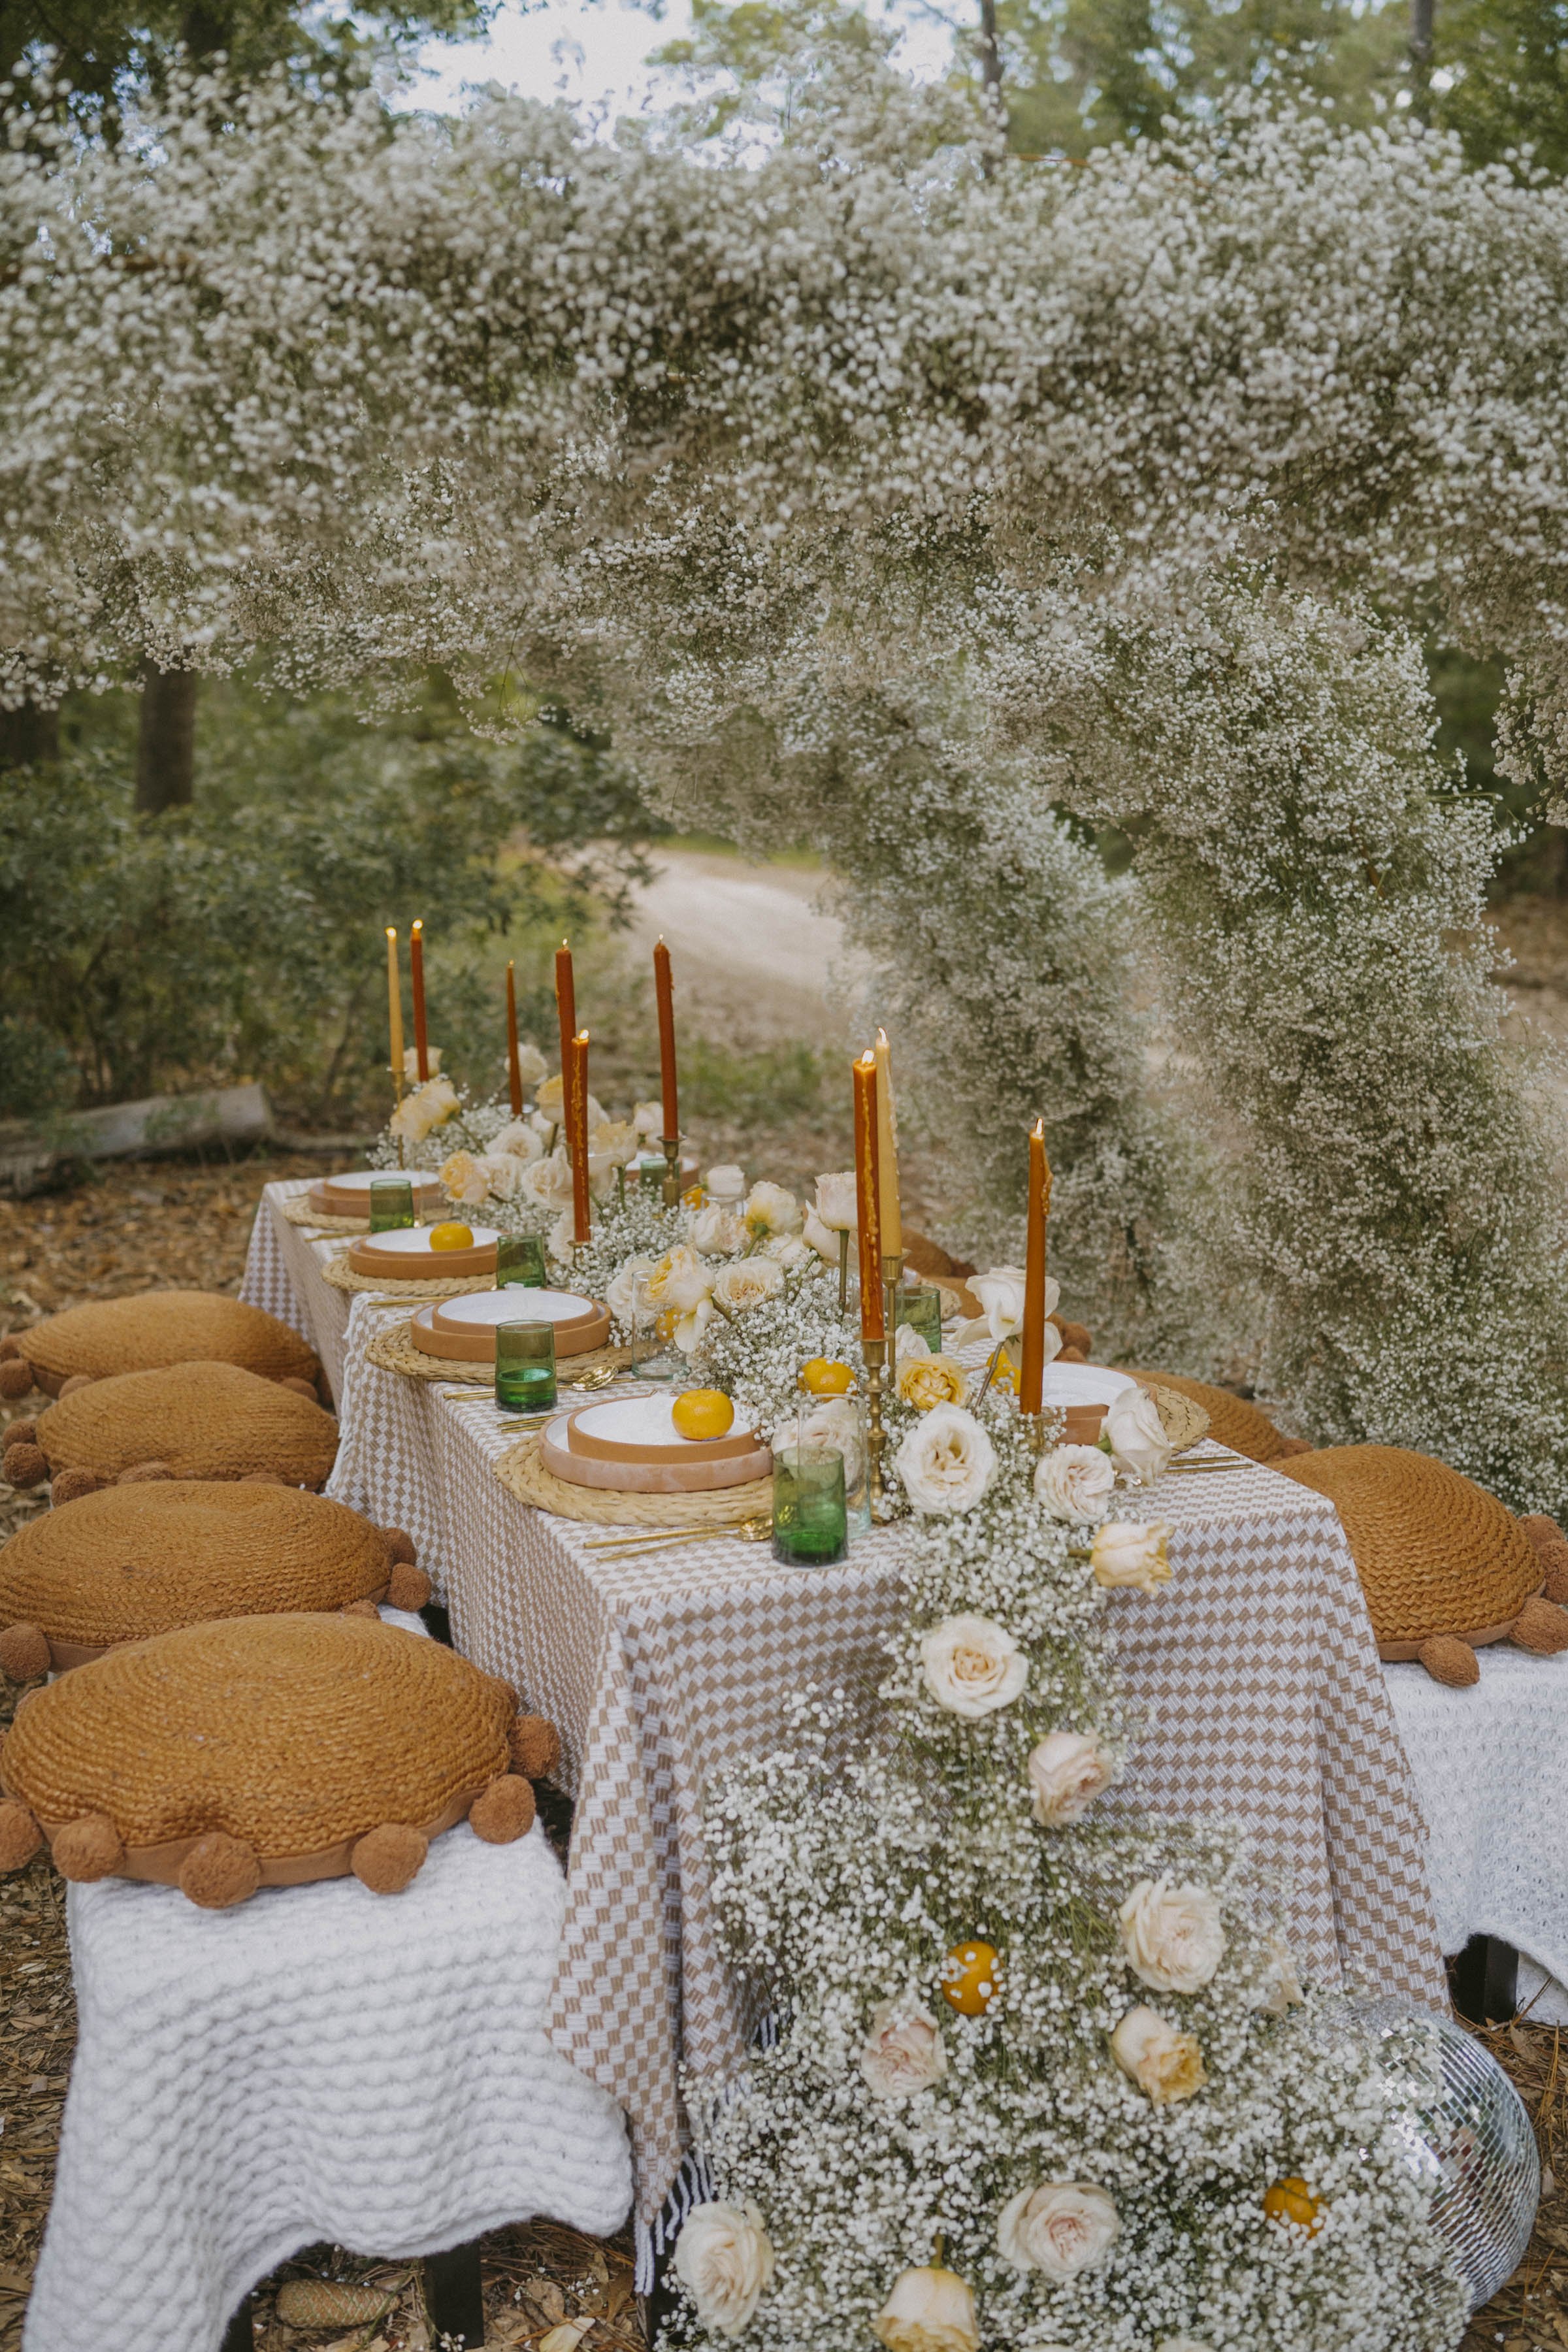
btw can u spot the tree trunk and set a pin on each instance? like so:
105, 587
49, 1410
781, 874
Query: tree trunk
991, 56
166, 740
1421, 16
29, 738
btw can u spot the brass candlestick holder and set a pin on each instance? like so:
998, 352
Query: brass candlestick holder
875, 1351
892, 1276
1034, 1425
672, 1187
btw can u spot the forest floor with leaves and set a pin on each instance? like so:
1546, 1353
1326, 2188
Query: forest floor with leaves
141, 1226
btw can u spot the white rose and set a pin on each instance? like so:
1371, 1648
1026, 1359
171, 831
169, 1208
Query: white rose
746, 1283
518, 1140
788, 1250
411, 1064
649, 1120
548, 1183
946, 1460
1074, 1483
604, 1174
833, 1426
689, 1327
1136, 1436
716, 1231
1061, 2228
838, 1203
548, 1100
725, 2262
727, 1183
503, 1174
1168, 2065
927, 2311
1173, 1935
972, 1665
530, 1063
624, 1293
680, 1280
615, 1138
908, 1343
1067, 1772
824, 1240
562, 1239
1125, 1552
1001, 1295
904, 2052
770, 1208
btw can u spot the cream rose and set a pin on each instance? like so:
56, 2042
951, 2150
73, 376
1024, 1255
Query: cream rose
727, 1183
725, 2262
548, 1099
1125, 1553
688, 1328
904, 2052
428, 1107
972, 1665
1173, 1935
549, 1181
501, 1172
833, 1425
1168, 2065
680, 1280
946, 1461
518, 1140
838, 1203
649, 1120
927, 2311
927, 1381
788, 1250
823, 1238
745, 1283
1074, 1483
1061, 2228
461, 1179
716, 1231
1067, 1772
1136, 1436
625, 1294
530, 1063
770, 1208
411, 1076
1001, 1295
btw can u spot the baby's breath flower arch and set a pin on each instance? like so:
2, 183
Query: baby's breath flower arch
880, 500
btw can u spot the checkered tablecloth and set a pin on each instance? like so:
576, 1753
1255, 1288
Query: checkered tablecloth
282, 1274
1257, 1667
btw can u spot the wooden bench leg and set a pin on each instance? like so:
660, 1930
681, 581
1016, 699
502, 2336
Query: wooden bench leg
239, 2336
1486, 1982
454, 2295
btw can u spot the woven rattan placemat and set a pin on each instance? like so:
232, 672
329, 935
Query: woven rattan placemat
343, 1276
523, 1473
395, 1352
299, 1212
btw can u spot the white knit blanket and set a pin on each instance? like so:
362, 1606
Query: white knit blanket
320, 2064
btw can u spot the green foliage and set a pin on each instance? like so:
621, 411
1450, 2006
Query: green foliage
243, 938
759, 1090
1505, 63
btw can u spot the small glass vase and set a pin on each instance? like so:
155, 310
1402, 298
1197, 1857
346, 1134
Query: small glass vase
519, 1262
810, 1526
391, 1203
919, 1304
650, 1173
525, 1365
837, 1425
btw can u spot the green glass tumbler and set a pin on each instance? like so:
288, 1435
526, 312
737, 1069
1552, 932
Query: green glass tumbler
520, 1260
919, 1304
525, 1365
810, 1527
391, 1203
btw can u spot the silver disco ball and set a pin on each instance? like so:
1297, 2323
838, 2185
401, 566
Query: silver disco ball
1466, 2133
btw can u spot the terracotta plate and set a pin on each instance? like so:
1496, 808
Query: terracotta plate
405, 1256
1082, 1392
466, 1328
630, 1443
349, 1195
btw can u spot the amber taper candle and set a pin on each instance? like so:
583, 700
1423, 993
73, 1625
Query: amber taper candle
566, 1012
888, 1152
417, 988
578, 1113
873, 1321
394, 1008
514, 1064
664, 991
1032, 1367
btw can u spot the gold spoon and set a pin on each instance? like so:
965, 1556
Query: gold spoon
756, 1529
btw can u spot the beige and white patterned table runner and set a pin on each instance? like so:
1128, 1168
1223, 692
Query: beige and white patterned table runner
1256, 1664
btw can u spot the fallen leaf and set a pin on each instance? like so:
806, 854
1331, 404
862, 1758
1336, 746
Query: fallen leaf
19, 2282
566, 2337
547, 2301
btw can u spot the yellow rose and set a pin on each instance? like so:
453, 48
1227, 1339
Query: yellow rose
928, 1380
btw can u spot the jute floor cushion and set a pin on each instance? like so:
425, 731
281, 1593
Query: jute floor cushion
153, 1328
133, 1560
188, 1420
1445, 1565
267, 1751
1232, 1420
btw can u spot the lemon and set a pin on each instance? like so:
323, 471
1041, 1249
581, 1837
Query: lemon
968, 1978
451, 1236
1291, 2200
821, 1377
703, 1412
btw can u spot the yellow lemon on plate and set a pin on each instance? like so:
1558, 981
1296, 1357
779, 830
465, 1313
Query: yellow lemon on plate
1291, 2200
703, 1412
451, 1236
968, 1978
822, 1377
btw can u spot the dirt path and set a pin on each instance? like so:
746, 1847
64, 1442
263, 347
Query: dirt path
757, 964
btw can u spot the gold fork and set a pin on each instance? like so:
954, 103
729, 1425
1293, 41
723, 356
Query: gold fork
756, 1529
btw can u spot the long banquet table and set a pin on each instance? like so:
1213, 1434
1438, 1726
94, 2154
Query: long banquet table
1255, 1665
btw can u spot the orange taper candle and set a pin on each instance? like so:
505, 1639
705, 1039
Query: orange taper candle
873, 1321
664, 991
514, 1065
566, 1009
577, 1115
416, 984
888, 1152
394, 1009
1032, 1369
